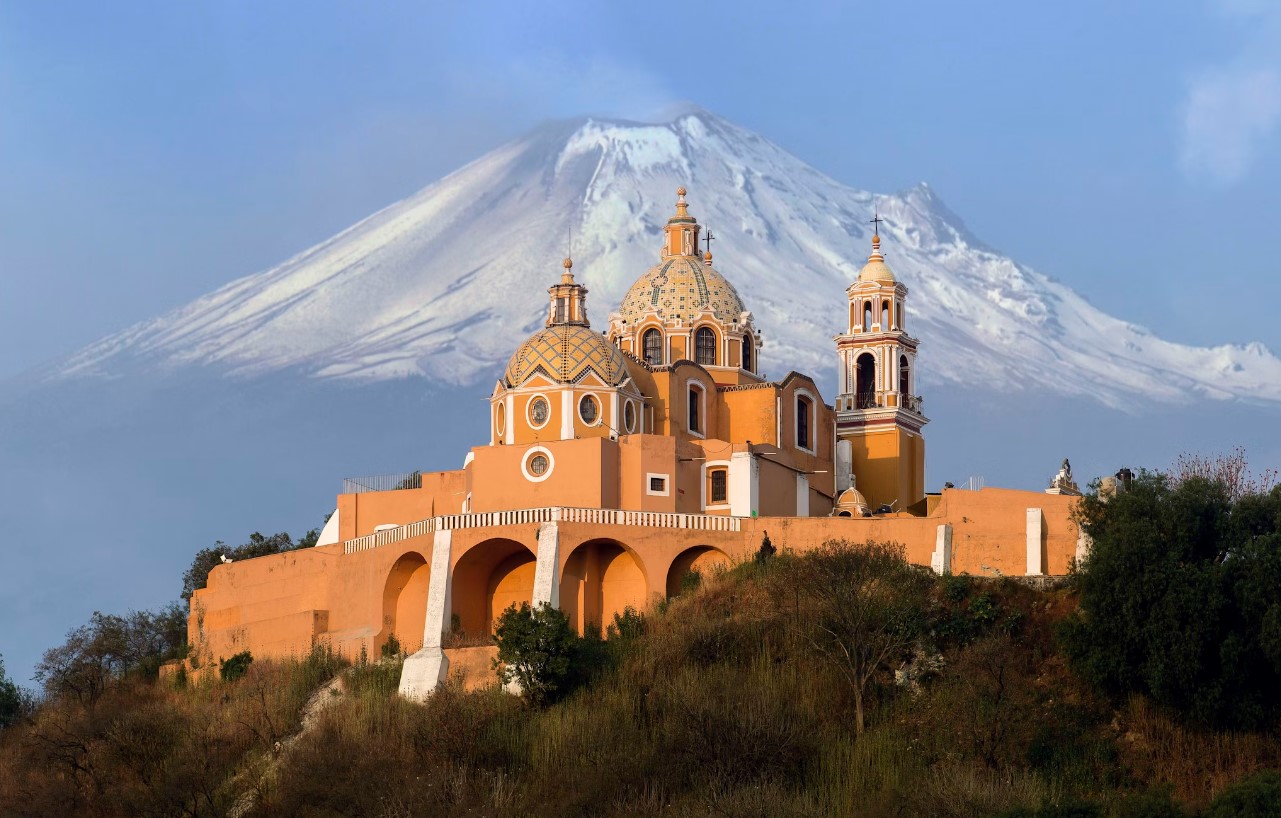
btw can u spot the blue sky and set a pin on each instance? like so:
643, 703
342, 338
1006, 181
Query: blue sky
152, 151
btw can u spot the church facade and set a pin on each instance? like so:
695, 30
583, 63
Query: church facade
618, 461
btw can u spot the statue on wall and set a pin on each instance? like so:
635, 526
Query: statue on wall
1062, 483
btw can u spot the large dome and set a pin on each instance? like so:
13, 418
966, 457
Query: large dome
681, 287
565, 353
876, 269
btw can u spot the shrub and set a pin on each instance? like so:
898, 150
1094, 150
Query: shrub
229, 670
536, 648
1258, 796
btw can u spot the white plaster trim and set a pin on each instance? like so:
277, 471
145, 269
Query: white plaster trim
529, 455
630, 428
385, 527
802, 496
567, 412
1035, 557
510, 437
547, 568
529, 410
941, 559
423, 672
329, 534
467, 461
667, 485
705, 474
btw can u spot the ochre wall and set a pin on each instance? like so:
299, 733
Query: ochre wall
279, 605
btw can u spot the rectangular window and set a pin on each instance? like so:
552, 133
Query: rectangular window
695, 396
562, 310
720, 487
658, 485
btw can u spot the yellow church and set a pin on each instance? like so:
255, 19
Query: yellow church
618, 461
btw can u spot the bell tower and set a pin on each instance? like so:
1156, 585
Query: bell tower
878, 413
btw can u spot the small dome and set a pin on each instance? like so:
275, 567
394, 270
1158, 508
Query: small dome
564, 353
681, 287
876, 269
852, 501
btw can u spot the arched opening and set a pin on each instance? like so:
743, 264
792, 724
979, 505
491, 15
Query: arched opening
695, 415
489, 578
701, 560
405, 603
865, 381
867, 316
904, 380
705, 346
803, 408
747, 353
600, 579
885, 315
845, 514
652, 343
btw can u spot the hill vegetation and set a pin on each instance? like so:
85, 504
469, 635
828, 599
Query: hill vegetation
838, 682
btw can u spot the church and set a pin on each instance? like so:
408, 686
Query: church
618, 461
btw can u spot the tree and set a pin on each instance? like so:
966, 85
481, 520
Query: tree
1181, 597
536, 649
867, 609
14, 701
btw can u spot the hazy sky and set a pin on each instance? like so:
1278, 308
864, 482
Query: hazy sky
150, 152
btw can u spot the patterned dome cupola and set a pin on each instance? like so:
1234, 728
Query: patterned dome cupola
564, 382
684, 309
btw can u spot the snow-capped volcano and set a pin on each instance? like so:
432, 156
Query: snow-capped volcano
447, 282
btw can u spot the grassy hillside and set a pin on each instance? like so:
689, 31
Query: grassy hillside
733, 699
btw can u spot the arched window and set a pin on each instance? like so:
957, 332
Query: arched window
653, 344
904, 381
705, 346
900, 321
867, 316
866, 381
747, 353
695, 409
803, 408
885, 315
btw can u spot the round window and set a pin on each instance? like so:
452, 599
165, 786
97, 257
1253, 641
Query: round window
587, 410
538, 465
538, 411
629, 417
500, 415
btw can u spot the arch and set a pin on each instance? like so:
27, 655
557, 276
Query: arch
652, 346
405, 602
885, 314
599, 580
806, 427
700, 558
696, 413
705, 346
865, 381
488, 578
867, 316
746, 362
904, 376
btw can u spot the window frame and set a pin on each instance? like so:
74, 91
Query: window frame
529, 410
530, 454
645, 334
699, 334
600, 409
696, 412
799, 397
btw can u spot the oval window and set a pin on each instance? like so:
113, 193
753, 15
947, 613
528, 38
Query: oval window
538, 411
538, 465
499, 417
587, 410
629, 417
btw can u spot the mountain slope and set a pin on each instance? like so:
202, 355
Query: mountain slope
445, 283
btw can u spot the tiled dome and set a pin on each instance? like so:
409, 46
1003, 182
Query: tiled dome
564, 353
681, 287
876, 269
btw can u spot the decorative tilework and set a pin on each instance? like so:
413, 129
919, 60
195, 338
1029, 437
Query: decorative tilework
681, 288
565, 353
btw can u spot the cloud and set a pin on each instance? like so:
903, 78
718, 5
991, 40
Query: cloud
1228, 116
1231, 112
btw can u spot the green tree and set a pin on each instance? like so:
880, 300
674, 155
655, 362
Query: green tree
1258, 796
536, 649
867, 608
13, 701
1181, 598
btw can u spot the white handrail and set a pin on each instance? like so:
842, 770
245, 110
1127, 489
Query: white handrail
526, 516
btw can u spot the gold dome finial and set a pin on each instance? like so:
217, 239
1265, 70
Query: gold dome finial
682, 208
680, 192
567, 263
568, 276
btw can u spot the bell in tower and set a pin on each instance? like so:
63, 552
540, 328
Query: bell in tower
878, 413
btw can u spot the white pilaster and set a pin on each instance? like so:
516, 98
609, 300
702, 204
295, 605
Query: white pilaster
1035, 556
744, 484
613, 414
547, 569
941, 559
802, 496
567, 414
428, 668
510, 414
844, 465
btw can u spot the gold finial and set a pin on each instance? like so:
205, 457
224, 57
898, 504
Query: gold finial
682, 209
567, 263
680, 192
707, 258
567, 277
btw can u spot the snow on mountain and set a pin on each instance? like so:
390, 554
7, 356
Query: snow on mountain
446, 283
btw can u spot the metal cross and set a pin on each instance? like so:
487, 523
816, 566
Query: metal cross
708, 239
876, 223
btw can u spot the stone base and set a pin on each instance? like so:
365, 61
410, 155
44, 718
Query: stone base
423, 673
